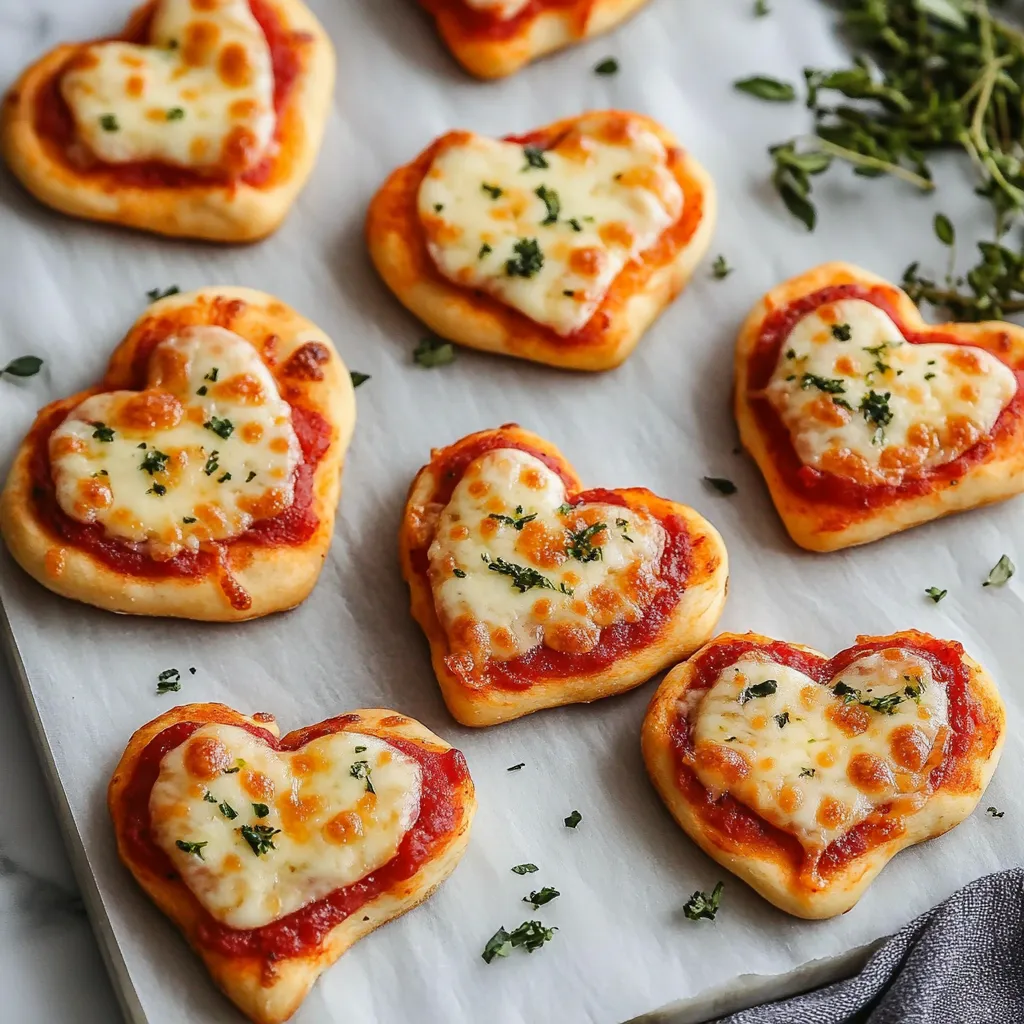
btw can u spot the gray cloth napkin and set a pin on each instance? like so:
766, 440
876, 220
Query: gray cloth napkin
962, 962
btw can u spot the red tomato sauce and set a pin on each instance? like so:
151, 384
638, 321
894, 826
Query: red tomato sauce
54, 120
741, 825
304, 930
617, 640
489, 25
818, 486
294, 526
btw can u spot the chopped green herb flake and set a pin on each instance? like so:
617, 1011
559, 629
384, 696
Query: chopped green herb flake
609, 66
765, 689
782, 720
259, 837
432, 352
535, 159
720, 484
220, 426
842, 332
581, 545
573, 820
155, 294
720, 269
169, 681
485, 250
108, 122
808, 773
703, 907
528, 259
541, 896
154, 462
525, 869
935, 594
493, 191
175, 114
227, 810
211, 463
553, 205
523, 577
358, 378
1000, 573
993, 812
516, 767
260, 810
362, 770
196, 849
460, 573
102, 432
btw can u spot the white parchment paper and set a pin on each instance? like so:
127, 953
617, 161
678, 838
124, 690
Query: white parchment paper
69, 290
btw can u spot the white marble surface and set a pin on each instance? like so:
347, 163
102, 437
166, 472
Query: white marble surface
50, 966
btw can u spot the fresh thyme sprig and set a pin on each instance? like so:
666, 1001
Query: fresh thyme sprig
927, 75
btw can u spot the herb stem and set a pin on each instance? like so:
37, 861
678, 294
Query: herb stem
872, 162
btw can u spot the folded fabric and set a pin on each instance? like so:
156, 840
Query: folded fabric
962, 962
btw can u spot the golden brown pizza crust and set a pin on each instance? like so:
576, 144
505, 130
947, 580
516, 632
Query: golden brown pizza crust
638, 295
688, 626
540, 30
825, 526
236, 212
773, 878
269, 992
309, 373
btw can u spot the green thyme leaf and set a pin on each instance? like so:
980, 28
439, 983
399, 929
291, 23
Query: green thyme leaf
517, 522
220, 426
765, 88
523, 577
944, 229
609, 66
196, 849
154, 462
260, 810
362, 770
155, 294
1000, 573
23, 366
358, 378
573, 820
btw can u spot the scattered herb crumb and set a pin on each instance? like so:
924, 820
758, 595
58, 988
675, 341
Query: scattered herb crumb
23, 366
169, 681
525, 869
609, 66
431, 352
935, 594
1000, 573
702, 907
720, 484
573, 820
720, 268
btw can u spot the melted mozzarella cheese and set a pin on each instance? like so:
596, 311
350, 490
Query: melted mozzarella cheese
200, 96
875, 407
337, 809
513, 567
206, 450
503, 9
813, 762
549, 240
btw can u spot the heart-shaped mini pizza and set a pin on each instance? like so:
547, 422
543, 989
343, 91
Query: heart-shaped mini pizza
561, 246
804, 774
864, 419
202, 119
535, 593
274, 856
494, 38
200, 478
